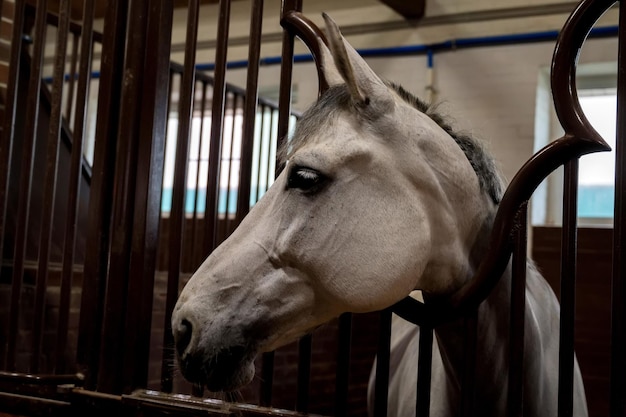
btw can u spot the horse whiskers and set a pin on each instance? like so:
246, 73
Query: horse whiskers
233, 396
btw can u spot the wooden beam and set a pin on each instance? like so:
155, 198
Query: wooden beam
409, 9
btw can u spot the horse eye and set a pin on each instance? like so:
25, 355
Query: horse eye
305, 179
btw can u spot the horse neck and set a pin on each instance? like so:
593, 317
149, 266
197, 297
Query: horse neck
492, 336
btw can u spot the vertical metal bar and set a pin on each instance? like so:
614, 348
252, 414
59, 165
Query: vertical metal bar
149, 182
231, 163
261, 111
469, 371
381, 388
7, 135
304, 373
119, 280
50, 176
177, 215
273, 116
197, 257
424, 371
101, 192
268, 162
518, 306
267, 379
342, 376
73, 194
286, 75
568, 290
249, 112
72, 77
217, 126
194, 204
618, 294
23, 203
226, 162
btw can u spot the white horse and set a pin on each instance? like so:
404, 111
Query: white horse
379, 197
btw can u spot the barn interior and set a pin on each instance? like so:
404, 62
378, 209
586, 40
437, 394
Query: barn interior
97, 243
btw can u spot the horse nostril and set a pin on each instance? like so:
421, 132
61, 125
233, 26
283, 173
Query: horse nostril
183, 336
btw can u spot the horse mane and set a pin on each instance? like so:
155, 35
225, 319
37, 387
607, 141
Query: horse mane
337, 98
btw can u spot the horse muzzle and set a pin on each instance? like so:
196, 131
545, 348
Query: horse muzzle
219, 365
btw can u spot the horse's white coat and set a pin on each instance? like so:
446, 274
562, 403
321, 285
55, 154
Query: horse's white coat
396, 207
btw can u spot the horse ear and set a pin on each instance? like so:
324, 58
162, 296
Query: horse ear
328, 66
364, 85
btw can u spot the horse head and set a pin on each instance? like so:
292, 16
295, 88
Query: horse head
377, 198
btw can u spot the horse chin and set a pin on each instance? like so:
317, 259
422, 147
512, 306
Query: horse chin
231, 381
228, 370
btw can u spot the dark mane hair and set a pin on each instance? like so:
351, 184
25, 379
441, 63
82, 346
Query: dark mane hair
337, 98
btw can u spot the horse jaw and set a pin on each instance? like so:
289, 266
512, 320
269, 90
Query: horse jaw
242, 301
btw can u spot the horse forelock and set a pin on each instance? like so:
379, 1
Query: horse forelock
337, 98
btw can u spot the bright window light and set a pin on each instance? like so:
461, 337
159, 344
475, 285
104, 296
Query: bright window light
597, 171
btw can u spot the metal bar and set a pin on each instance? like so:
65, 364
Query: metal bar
267, 379
196, 178
73, 194
249, 112
274, 115
119, 282
23, 203
469, 371
49, 180
197, 257
72, 78
147, 402
382, 365
568, 290
618, 294
304, 373
149, 182
7, 135
261, 111
41, 379
517, 314
101, 192
217, 126
342, 376
424, 371
75, 28
177, 214
286, 75
231, 163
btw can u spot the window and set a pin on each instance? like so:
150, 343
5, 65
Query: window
263, 160
597, 88
596, 179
